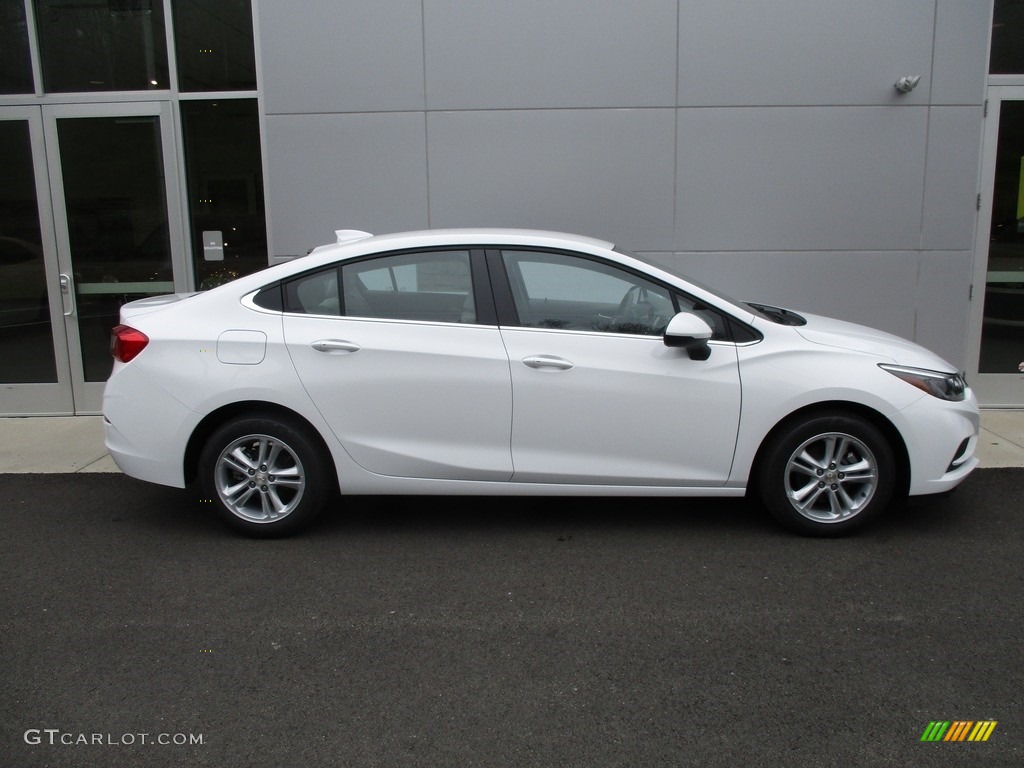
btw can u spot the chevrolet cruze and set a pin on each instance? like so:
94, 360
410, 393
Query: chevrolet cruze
516, 363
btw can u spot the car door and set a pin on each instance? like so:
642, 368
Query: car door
599, 398
404, 364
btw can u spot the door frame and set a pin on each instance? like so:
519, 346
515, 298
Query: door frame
994, 390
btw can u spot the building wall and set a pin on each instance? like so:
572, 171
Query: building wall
759, 147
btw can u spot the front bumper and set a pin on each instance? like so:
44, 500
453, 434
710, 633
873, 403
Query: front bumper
941, 439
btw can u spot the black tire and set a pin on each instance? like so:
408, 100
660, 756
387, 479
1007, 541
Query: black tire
828, 475
266, 477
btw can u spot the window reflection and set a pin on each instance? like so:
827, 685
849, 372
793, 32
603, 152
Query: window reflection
15, 64
430, 286
553, 290
213, 40
1007, 56
102, 45
26, 335
225, 188
117, 222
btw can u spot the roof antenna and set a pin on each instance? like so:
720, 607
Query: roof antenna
348, 235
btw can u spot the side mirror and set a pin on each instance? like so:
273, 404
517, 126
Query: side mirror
691, 332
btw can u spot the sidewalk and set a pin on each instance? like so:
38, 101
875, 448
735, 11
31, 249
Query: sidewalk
69, 444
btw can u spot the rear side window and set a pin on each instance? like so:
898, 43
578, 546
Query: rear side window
433, 286
314, 294
269, 298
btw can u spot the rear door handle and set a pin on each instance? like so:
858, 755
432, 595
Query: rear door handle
335, 345
547, 361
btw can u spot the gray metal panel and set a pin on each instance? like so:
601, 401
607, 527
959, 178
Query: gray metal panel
951, 187
538, 53
836, 178
605, 173
961, 52
874, 289
325, 56
328, 172
942, 306
749, 52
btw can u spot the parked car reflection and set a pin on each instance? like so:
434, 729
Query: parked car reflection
22, 282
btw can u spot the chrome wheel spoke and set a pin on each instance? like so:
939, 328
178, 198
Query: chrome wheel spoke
233, 491
239, 461
836, 448
859, 472
815, 494
836, 503
273, 454
805, 464
238, 500
800, 495
264, 450
267, 505
847, 504
277, 507
288, 478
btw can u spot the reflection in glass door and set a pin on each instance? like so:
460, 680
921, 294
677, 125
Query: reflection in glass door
26, 334
118, 224
999, 378
34, 371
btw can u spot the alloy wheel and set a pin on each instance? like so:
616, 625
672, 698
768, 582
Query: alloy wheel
259, 478
831, 477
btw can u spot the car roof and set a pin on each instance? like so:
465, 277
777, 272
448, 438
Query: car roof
461, 236
355, 243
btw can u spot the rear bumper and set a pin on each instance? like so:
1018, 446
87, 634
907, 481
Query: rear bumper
137, 427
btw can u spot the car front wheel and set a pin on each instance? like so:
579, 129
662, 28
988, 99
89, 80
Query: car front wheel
827, 476
264, 477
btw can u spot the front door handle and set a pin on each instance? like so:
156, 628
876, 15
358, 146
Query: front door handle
547, 361
67, 295
335, 345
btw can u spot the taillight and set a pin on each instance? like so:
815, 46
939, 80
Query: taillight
126, 343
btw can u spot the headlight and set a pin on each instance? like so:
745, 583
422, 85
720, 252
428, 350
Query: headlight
945, 386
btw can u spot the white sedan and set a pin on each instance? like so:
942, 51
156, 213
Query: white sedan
514, 362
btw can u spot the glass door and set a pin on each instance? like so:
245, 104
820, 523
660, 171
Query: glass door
118, 223
998, 314
35, 374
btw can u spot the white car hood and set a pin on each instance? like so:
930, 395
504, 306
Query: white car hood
860, 338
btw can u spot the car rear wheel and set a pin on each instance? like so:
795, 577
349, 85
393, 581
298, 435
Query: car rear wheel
827, 476
265, 477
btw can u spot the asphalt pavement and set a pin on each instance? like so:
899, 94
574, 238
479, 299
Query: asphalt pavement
484, 632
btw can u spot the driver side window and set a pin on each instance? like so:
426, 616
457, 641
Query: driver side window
554, 290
